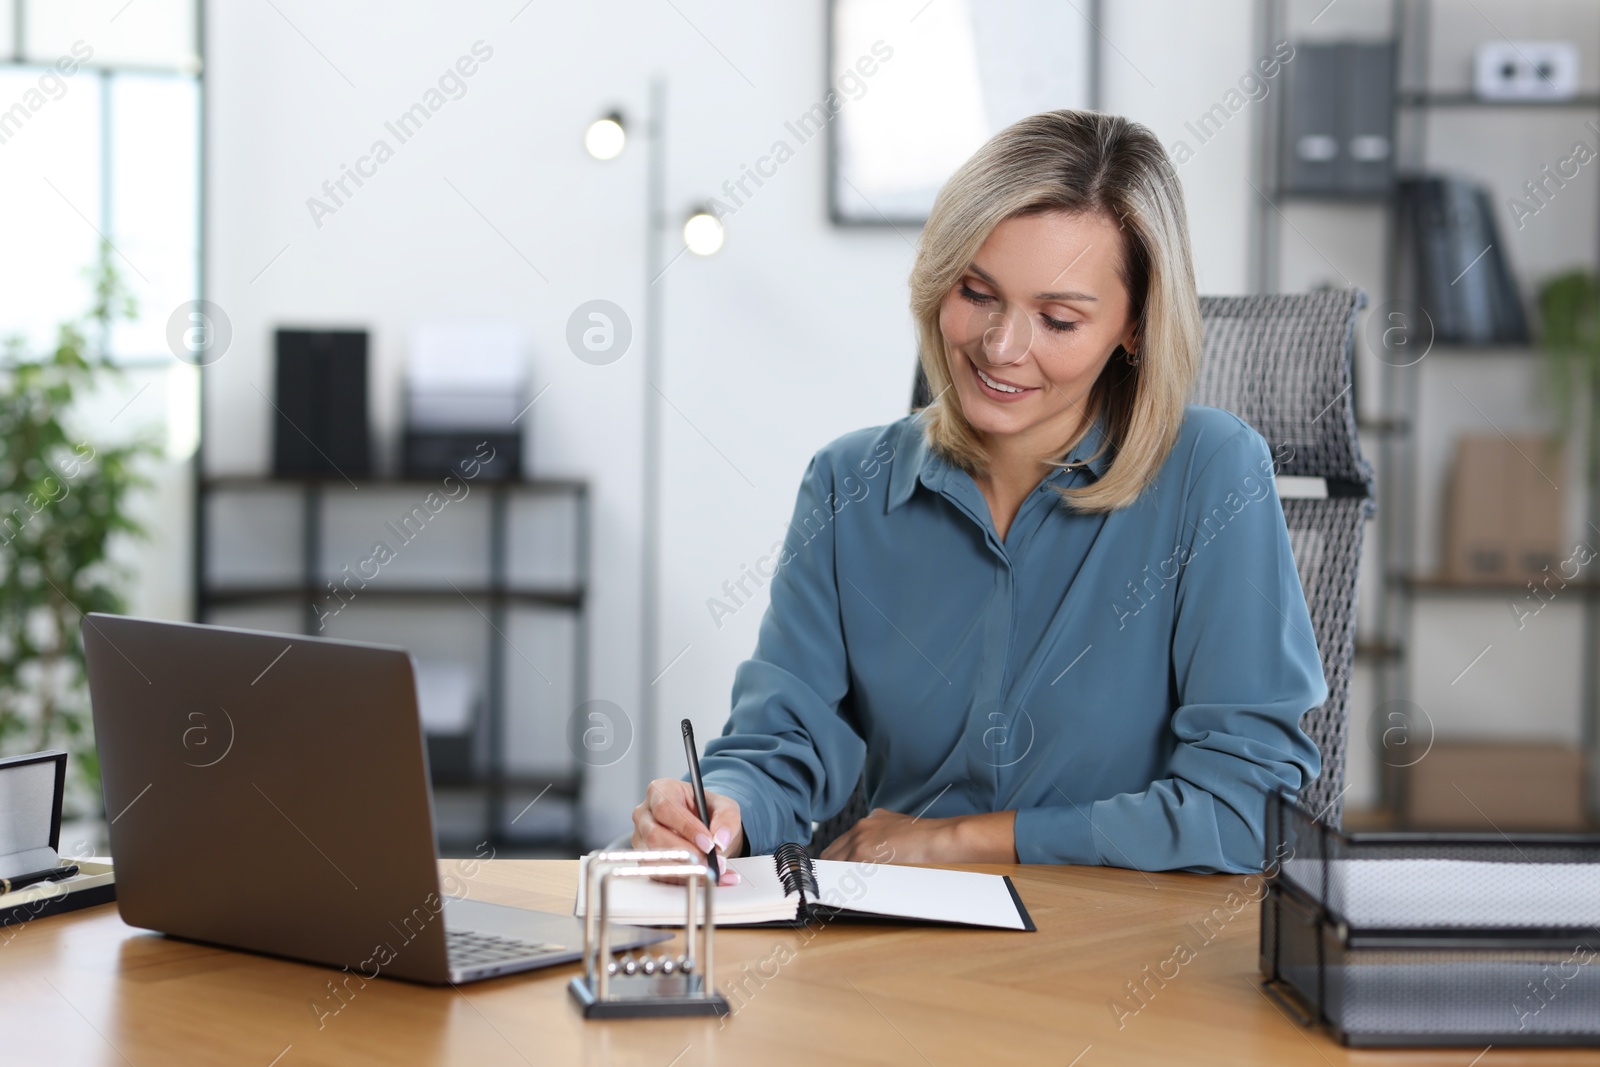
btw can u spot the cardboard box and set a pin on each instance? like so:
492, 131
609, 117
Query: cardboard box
1503, 509
1496, 786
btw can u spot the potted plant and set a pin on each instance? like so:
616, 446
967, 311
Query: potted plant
63, 501
1569, 313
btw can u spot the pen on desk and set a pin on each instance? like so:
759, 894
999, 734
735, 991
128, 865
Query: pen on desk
700, 797
50, 874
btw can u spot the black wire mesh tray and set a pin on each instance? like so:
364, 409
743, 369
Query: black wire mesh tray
1419, 939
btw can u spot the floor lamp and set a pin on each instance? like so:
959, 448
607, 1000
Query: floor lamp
605, 139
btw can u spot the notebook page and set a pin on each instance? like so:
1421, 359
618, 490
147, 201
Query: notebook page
966, 897
758, 897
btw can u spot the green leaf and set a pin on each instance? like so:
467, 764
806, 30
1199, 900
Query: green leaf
56, 530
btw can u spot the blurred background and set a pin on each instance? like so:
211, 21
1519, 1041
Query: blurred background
503, 330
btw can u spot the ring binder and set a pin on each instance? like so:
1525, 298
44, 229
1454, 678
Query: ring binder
790, 889
796, 872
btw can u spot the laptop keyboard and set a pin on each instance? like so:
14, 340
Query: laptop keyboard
469, 948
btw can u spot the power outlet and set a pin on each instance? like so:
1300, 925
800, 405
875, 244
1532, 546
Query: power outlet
1526, 70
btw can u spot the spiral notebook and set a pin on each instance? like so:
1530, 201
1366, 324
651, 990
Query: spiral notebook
790, 888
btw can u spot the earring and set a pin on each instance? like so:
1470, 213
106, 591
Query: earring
1131, 357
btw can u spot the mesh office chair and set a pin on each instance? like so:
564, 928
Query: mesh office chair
1283, 364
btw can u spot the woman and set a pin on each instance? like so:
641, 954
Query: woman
1053, 617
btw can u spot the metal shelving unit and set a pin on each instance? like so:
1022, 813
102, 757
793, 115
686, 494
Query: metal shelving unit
496, 592
1403, 584
1391, 433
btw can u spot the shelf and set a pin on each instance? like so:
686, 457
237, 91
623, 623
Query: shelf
1362, 820
314, 594
1368, 198
573, 486
563, 598
1378, 650
1384, 426
1437, 585
562, 787
513, 846
1413, 600
1507, 350
1468, 100
554, 786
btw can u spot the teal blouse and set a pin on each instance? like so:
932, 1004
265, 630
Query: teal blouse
1130, 683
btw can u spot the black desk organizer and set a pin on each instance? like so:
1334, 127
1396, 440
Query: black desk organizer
31, 789
1466, 939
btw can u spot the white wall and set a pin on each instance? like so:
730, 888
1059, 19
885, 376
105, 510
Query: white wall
795, 333
1165, 63
790, 306
828, 347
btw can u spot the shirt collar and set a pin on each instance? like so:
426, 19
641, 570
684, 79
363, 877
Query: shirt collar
915, 460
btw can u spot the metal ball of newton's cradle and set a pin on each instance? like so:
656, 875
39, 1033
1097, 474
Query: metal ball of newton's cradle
650, 966
628, 966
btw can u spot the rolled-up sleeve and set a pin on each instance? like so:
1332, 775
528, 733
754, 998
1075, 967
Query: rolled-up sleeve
1246, 668
787, 755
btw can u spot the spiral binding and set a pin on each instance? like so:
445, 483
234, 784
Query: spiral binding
795, 871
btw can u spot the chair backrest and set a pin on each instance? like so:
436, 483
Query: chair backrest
1284, 364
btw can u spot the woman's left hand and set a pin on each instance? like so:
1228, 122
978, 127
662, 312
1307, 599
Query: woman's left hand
889, 837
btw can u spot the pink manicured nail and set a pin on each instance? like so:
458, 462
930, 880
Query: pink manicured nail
702, 842
731, 877
722, 838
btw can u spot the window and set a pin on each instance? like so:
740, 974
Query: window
99, 135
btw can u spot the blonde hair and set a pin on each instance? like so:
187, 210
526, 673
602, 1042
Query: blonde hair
1074, 161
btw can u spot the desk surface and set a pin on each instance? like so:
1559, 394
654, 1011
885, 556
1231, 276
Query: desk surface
86, 989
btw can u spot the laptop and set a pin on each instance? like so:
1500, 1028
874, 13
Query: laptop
269, 792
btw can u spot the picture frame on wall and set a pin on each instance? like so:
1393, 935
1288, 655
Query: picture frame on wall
914, 88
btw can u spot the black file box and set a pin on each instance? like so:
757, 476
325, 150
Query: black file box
320, 427
1338, 121
1411, 939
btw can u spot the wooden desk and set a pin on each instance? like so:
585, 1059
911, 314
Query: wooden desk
85, 989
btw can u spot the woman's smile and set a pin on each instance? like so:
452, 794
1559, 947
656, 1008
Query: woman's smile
1000, 390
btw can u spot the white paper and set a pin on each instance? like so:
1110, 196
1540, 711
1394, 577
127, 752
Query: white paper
1437, 893
966, 897
448, 357
447, 692
27, 798
922, 893
758, 897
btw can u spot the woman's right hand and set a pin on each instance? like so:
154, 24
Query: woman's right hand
668, 818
